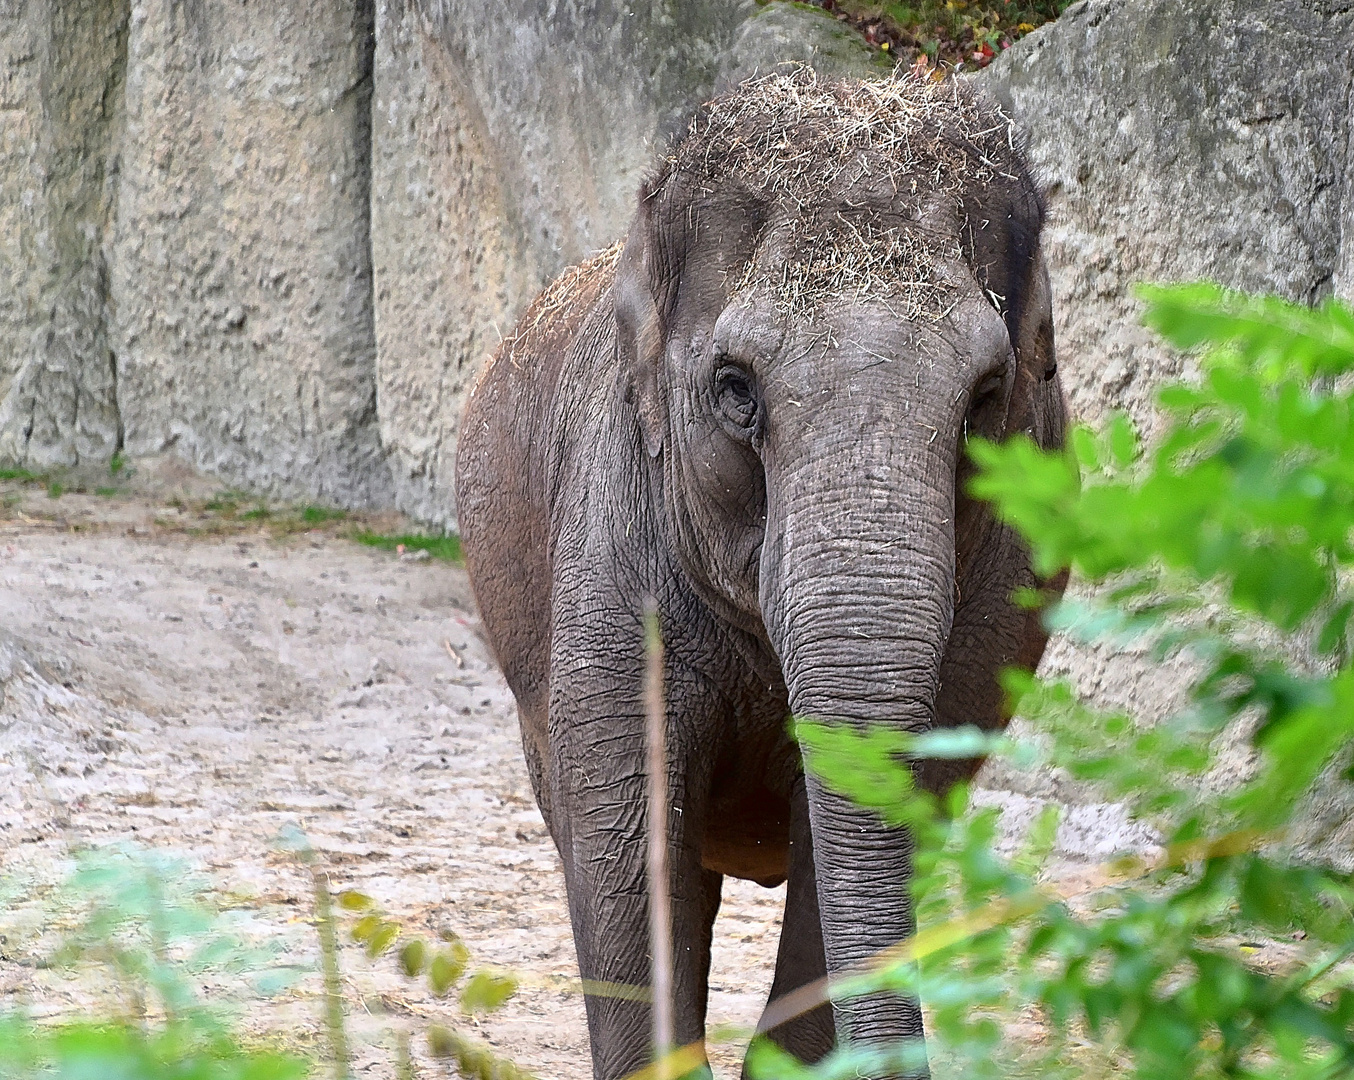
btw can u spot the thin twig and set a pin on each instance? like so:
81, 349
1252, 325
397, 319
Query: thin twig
333, 983
404, 1064
660, 900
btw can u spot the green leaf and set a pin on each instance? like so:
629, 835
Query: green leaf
1333, 633
1268, 332
366, 928
1123, 440
486, 992
414, 958
382, 938
446, 967
350, 900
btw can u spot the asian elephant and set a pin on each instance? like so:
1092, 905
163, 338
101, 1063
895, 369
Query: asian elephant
754, 410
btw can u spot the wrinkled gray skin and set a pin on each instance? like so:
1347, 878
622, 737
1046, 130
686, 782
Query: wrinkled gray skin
794, 499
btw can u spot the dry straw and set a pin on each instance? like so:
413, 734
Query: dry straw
849, 168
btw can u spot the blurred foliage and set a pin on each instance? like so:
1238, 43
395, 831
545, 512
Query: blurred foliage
442, 963
944, 33
145, 922
1228, 545
178, 979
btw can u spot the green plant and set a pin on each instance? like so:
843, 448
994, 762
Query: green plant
321, 515
954, 33
1230, 542
443, 964
225, 503
447, 548
147, 923
117, 463
21, 475
326, 926
55, 490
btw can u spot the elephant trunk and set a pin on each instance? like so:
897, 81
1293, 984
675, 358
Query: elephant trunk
858, 598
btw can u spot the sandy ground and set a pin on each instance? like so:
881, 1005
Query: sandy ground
199, 693
176, 676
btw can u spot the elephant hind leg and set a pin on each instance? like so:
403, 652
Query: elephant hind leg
800, 959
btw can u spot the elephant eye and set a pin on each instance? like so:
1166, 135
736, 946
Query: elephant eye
735, 396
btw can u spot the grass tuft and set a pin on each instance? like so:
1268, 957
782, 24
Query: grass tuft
447, 548
322, 515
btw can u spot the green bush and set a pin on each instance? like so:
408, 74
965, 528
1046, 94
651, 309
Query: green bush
1230, 542
144, 924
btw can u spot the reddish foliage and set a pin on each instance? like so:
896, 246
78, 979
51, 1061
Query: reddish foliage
933, 35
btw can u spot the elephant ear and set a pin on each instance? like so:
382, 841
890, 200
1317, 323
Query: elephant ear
687, 244
640, 318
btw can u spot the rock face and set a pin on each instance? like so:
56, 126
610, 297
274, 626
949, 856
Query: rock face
777, 33
61, 84
1176, 140
280, 242
451, 262
241, 268
508, 142
1183, 139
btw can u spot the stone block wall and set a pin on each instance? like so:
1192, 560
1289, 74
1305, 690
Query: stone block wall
1183, 139
508, 142
241, 269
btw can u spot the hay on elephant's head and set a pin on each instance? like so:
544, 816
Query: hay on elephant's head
826, 155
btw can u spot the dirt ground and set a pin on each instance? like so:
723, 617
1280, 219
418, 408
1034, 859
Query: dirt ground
197, 693
177, 675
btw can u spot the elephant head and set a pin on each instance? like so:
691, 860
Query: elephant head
828, 289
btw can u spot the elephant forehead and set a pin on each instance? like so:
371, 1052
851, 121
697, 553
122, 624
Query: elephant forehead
849, 333
817, 258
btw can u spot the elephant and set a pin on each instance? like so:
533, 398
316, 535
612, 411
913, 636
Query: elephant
752, 412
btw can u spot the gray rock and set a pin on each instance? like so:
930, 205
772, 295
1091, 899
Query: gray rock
798, 33
1182, 139
61, 76
240, 268
1177, 140
451, 262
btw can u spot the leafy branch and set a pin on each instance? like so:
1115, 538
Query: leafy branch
1228, 543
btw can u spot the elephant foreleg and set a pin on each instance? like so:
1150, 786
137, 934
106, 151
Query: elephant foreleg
602, 806
800, 959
